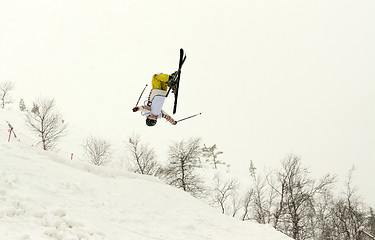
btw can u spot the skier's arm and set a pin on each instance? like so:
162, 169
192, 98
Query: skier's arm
168, 118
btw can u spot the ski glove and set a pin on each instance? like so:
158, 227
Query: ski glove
135, 109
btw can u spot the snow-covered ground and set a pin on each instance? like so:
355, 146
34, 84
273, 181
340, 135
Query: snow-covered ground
44, 195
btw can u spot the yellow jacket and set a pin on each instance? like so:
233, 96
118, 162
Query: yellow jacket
159, 81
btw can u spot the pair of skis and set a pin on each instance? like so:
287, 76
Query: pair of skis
180, 63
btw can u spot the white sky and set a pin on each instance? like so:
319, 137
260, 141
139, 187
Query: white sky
271, 77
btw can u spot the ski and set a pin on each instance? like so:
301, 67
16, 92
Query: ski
181, 62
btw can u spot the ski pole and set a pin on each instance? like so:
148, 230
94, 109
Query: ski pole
141, 95
189, 117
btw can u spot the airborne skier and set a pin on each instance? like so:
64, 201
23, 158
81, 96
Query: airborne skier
162, 84
153, 108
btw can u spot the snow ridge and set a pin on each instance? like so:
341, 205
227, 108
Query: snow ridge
45, 196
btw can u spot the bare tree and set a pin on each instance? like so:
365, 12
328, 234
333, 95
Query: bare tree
349, 213
184, 160
323, 218
212, 155
5, 88
371, 222
300, 192
246, 204
261, 204
46, 121
97, 149
224, 190
279, 186
237, 203
296, 192
142, 157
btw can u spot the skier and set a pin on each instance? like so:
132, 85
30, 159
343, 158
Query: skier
153, 109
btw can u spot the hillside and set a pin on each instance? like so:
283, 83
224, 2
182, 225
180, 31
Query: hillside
45, 196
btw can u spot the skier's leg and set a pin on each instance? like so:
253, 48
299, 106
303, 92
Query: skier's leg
159, 81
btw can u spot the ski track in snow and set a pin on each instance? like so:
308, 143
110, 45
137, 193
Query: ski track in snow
43, 196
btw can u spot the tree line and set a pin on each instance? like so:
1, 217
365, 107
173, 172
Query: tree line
288, 197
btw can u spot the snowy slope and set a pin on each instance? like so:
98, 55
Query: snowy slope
45, 196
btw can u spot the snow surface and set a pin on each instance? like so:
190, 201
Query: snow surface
43, 195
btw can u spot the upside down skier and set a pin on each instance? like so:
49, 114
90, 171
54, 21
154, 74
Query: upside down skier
153, 108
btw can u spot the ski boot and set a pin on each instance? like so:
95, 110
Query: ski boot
172, 81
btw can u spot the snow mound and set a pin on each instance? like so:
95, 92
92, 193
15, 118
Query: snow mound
43, 196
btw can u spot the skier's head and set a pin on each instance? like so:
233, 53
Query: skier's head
151, 120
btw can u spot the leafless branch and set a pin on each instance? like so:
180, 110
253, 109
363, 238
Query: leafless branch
46, 121
5, 88
97, 149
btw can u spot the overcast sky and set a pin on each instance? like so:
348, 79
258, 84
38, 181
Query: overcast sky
271, 77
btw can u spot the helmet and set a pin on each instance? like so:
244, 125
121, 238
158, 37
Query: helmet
150, 122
